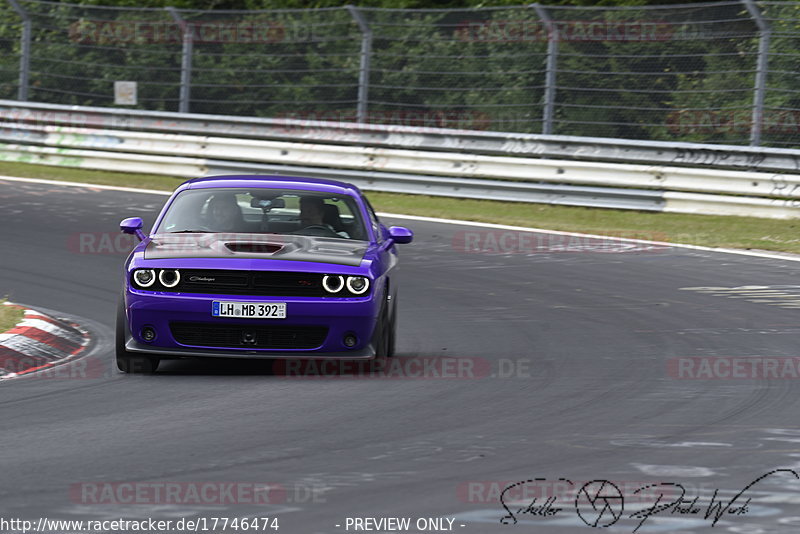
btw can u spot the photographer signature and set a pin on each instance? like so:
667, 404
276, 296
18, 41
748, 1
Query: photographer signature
600, 503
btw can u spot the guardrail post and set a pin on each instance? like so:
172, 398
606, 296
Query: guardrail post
550, 69
186, 60
366, 57
762, 68
24, 50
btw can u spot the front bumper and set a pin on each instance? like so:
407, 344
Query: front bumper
366, 353
341, 316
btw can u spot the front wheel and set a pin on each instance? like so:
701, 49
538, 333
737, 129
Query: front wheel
381, 338
391, 333
128, 362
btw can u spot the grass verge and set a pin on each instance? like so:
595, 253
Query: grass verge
707, 230
9, 316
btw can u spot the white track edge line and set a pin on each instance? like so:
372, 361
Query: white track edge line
83, 184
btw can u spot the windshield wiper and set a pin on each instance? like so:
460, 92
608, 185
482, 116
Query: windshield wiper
190, 232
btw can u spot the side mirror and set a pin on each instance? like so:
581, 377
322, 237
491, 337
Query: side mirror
133, 225
400, 234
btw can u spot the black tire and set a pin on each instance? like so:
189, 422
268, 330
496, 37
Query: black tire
128, 362
380, 339
392, 332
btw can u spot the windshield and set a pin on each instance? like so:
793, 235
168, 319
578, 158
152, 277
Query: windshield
274, 211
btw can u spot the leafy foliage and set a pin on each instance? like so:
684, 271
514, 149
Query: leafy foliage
682, 73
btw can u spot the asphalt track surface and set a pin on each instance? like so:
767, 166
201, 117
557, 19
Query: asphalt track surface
589, 333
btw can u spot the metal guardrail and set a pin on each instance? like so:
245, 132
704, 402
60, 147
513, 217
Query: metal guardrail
401, 159
369, 180
413, 162
781, 160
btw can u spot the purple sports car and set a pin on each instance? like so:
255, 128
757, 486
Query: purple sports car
259, 267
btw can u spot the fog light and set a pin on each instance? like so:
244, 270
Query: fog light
148, 333
350, 340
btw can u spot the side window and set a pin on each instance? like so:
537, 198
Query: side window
373, 220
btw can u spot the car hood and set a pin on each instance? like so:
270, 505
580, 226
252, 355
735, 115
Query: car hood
256, 246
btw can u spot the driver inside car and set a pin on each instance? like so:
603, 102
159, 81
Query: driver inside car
312, 212
224, 214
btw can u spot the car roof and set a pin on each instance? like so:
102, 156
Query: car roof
271, 181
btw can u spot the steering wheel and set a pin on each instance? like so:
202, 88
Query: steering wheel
326, 231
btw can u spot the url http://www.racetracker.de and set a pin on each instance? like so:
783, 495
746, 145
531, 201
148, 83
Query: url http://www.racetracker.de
200, 524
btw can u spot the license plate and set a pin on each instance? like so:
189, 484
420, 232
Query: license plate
249, 310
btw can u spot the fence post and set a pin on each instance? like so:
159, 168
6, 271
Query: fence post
762, 66
25, 51
186, 60
550, 69
366, 57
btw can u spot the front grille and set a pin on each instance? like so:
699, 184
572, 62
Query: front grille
257, 283
248, 336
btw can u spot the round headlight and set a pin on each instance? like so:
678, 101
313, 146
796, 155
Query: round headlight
332, 283
144, 277
169, 277
357, 285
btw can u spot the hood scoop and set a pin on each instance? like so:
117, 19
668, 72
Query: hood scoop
253, 248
